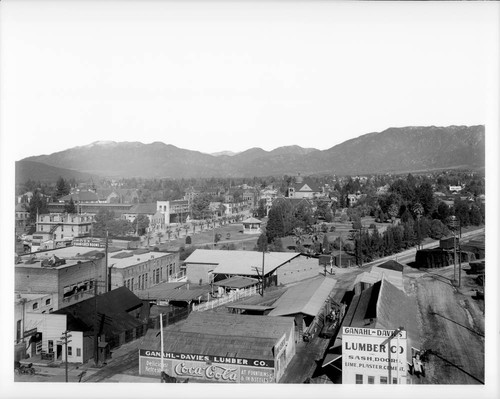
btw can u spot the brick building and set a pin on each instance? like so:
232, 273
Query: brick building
70, 280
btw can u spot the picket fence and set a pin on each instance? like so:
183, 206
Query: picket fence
231, 297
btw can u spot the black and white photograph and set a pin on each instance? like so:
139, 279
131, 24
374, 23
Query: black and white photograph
249, 198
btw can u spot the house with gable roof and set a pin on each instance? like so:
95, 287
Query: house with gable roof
304, 188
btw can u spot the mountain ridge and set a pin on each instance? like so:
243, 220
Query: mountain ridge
408, 148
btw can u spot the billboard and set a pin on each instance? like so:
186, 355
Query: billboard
207, 367
90, 242
370, 355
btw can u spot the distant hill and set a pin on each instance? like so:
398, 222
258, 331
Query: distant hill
37, 171
227, 153
394, 150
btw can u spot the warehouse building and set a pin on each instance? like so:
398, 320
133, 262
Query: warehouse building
206, 266
308, 303
377, 337
255, 349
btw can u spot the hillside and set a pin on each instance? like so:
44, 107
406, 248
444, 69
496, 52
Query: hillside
37, 171
394, 150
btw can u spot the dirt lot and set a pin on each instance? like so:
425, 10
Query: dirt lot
452, 326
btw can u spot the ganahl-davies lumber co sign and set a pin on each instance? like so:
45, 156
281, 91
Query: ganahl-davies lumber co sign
368, 351
206, 367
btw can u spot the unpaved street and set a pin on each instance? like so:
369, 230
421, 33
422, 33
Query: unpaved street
452, 326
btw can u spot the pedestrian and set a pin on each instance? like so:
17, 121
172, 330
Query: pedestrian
418, 367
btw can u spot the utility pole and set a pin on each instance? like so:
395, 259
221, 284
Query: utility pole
453, 224
96, 342
66, 341
107, 284
161, 340
263, 275
340, 249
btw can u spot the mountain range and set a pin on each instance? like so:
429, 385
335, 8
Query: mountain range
394, 150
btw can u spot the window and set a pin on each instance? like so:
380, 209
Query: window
371, 379
359, 378
70, 351
394, 380
132, 286
35, 306
78, 352
383, 380
51, 346
47, 301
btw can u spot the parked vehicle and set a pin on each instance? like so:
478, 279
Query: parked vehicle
24, 368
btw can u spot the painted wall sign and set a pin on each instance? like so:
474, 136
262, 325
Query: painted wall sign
90, 242
209, 368
366, 351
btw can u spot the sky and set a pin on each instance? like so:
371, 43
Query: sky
220, 76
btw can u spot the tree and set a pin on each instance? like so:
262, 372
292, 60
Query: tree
443, 211
102, 220
326, 244
70, 206
462, 212
261, 210
62, 188
280, 221
36, 205
262, 243
276, 245
200, 206
425, 195
438, 229
393, 212
475, 215
141, 224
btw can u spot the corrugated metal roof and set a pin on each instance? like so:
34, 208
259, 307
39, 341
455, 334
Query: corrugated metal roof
240, 262
159, 290
223, 334
240, 325
237, 282
388, 308
307, 297
208, 344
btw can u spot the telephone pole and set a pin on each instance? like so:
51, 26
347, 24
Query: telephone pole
65, 337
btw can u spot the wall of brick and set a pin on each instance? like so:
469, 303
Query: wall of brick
36, 279
168, 265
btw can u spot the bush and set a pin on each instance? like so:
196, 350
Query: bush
188, 239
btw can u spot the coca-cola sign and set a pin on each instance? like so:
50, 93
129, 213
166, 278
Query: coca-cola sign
205, 370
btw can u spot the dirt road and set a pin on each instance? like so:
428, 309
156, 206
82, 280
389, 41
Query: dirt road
452, 326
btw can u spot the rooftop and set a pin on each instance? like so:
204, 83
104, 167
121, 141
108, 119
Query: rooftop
145, 209
240, 262
307, 297
207, 333
383, 306
127, 258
